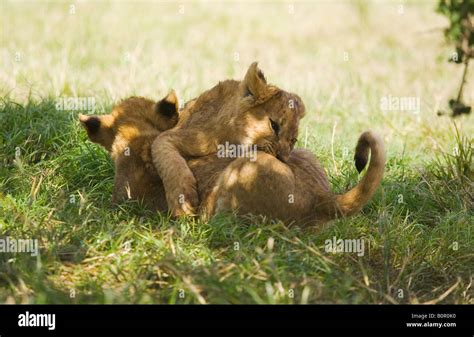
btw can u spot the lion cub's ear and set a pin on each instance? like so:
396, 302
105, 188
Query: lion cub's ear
98, 129
90, 123
254, 83
168, 106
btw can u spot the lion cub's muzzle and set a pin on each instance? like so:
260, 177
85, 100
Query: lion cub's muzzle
284, 154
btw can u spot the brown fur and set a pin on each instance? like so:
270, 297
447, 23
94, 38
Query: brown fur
127, 133
296, 191
234, 112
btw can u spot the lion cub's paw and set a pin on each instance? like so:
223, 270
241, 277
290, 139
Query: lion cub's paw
183, 201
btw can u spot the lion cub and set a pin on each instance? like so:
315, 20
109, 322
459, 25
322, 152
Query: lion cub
249, 113
127, 133
298, 191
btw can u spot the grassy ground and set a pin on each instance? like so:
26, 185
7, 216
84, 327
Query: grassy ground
341, 58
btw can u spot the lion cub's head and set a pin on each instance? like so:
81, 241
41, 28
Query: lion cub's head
276, 113
127, 133
130, 118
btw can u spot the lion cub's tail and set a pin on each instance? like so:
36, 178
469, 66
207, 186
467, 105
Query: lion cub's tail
353, 200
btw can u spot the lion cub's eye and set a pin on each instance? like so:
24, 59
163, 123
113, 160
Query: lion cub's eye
275, 127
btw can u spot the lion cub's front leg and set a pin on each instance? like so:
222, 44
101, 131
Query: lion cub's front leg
168, 152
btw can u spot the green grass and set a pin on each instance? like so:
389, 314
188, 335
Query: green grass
55, 186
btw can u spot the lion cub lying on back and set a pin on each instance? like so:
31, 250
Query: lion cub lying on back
296, 192
244, 113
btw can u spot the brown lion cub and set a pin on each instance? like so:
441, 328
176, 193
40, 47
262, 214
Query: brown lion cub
249, 113
127, 133
296, 192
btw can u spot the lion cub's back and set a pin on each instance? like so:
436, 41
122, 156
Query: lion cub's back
208, 110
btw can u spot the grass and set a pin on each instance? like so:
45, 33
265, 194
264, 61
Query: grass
341, 58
